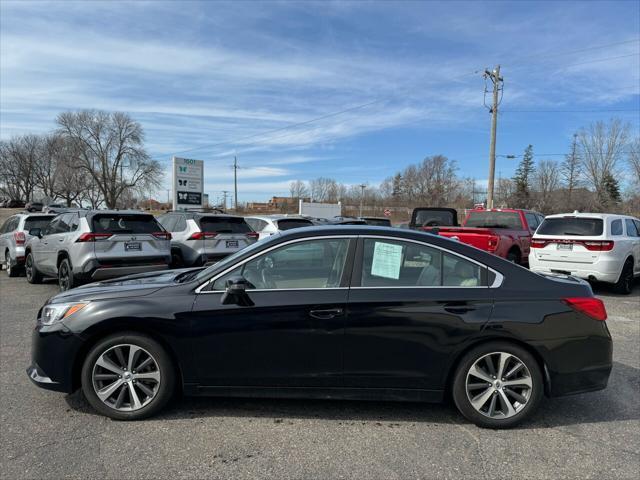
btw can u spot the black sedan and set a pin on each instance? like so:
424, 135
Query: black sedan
351, 312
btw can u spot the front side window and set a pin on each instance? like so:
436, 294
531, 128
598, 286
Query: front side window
393, 263
631, 228
309, 264
616, 227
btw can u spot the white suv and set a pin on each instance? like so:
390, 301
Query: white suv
267, 225
594, 246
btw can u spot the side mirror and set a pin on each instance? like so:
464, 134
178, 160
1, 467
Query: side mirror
36, 232
236, 292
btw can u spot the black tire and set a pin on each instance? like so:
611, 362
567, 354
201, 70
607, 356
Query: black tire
65, 275
176, 259
624, 285
165, 389
12, 271
514, 256
30, 270
459, 387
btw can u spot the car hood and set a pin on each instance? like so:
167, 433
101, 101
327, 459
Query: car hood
123, 287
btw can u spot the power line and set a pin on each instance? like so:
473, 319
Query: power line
574, 111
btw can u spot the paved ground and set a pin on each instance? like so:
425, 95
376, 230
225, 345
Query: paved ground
50, 435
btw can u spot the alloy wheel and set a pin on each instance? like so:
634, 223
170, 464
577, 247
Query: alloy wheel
63, 277
126, 377
7, 263
28, 267
499, 385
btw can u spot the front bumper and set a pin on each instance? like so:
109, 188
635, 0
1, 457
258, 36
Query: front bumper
54, 350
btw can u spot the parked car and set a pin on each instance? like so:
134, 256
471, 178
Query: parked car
267, 225
88, 245
34, 206
345, 221
594, 246
350, 312
504, 232
53, 207
377, 221
201, 238
14, 204
14, 234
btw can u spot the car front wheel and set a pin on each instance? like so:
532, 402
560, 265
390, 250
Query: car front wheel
497, 385
128, 377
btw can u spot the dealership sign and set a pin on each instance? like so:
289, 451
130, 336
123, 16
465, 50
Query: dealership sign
188, 183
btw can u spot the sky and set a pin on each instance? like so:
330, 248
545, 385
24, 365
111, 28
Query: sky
390, 82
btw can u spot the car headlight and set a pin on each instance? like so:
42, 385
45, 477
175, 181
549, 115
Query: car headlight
57, 312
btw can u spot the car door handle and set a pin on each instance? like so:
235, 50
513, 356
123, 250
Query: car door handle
326, 314
457, 308
61, 239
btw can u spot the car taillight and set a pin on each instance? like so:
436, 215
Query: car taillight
538, 243
598, 245
494, 240
252, 235
93, 237
19, 237
162, 235
590, 306
202, 235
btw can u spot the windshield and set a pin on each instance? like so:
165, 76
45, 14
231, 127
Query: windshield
582, 227
494, 220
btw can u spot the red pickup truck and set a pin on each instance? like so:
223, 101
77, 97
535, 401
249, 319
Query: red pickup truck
505, 232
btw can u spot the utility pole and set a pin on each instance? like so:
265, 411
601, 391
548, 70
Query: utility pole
362, 187
497, 88
235, 181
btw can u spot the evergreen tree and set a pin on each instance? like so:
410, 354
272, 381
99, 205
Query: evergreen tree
522, 179
571, 171
611, 188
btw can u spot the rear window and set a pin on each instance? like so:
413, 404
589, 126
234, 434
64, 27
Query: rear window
122, 223
582, 227
378, 222
494, 220
37, 222
288, 224
433, 218
224, 225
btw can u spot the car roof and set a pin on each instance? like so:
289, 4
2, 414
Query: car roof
277, 216
603, 216
199, 215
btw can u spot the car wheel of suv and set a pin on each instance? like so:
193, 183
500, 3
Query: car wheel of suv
497, 385
514, 257
176, 259
65, 275
624, 284
30, 270
11, 271
128, 376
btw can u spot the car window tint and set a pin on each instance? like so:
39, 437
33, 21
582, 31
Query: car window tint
430, 218
392, 263
124, 223
575, 226
168, 222
616, 227
291, 223
181, 224
37, 222
378, 222
11, 224
224, 225
637, 223
5, 225
632, 231
532, 220
308, 264
494, 220
64, 225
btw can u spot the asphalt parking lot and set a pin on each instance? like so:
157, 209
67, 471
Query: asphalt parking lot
52, 435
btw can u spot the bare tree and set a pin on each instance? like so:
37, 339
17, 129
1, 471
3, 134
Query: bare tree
601, 149
111, 153
19, 158
570, 171
298, 189
633, 157
322, 189
546, 181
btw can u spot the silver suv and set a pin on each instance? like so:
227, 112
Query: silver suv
14, 235
201, 238
86, 245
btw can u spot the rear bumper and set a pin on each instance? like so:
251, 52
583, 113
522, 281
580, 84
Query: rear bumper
105, 269
113, 272
604, 270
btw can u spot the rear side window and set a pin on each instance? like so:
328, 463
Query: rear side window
532, 220
289, 224
494, 220
37, 222
224, 225
616, 227
123, 223
168, 222
631, 228
581, 227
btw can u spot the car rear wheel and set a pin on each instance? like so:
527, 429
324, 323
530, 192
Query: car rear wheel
65, 275
128, 376
11, 270
624, 284
514, 256
497, 385
30, 270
